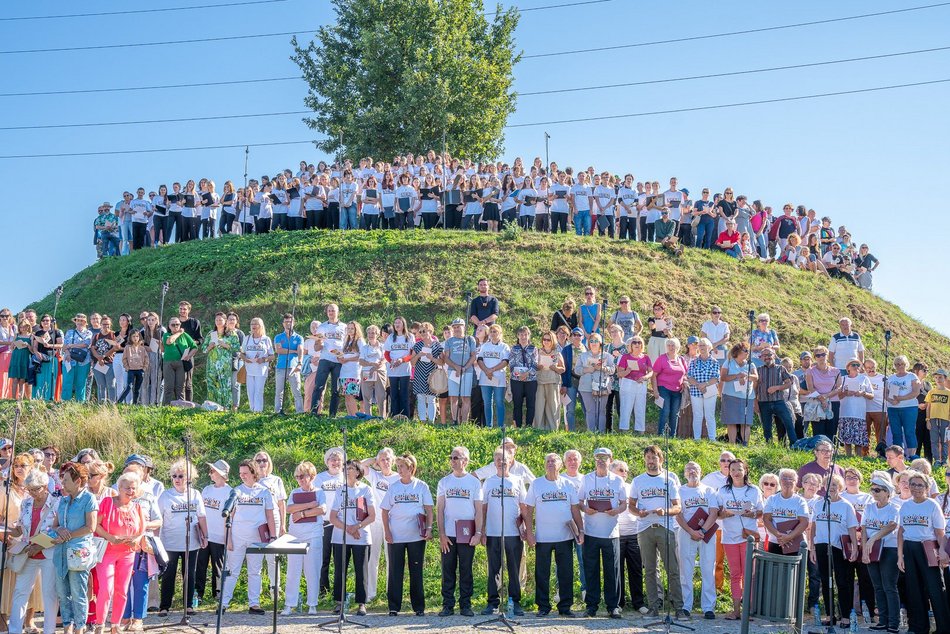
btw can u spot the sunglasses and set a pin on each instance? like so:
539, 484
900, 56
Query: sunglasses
819, 354
717, 312
261, 460
455, 457
876, 489
178, 476
770, 485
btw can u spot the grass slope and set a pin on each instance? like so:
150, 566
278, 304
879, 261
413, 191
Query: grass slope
374, 276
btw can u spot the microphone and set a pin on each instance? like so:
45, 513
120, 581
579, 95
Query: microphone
751, 315
605, 303
229, 504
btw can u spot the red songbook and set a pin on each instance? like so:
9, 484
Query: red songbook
785, 528
696, 522
464, 529
931, 550
263, 532
361, 512
423, 523
601, 506
304, 497
846, 546
875, 554
522, 527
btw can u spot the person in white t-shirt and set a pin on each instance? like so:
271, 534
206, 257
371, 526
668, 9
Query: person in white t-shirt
602, 499
352, 511
572, 465
329, 367
253, 509
698, 498
265, 466
786, 515
740, 506
307, 506
631, 565
492, 361
379, 474
214, 497
718, 333
879, 533
845, 345
553, 520
831, 520
178, 505
503, 497
329, 481
458, 508
398, 347
654, 499
516, 468
407, 526
257, 353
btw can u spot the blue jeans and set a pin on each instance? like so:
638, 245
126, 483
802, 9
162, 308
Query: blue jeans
706, 232
348, 219
73, 592
105, 384
734, 251
903, 423
582, 223
780, 410
763, 245
126, 228
571, 411
399, 390
74, 382
110, 243
670, 412
136, 606
326, 370
493, 410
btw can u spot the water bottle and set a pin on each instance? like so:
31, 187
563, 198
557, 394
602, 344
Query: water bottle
853, 627
866, 613
510, 610
816, 611
346, 603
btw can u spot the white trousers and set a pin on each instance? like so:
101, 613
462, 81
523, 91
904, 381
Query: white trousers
633, 399
687, 549
375, 552
255, 392
704, 407
23, 588
425, 407
309, 565
121, 377
235, 559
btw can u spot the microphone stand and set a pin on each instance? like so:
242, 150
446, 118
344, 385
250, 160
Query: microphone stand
887, 350
667, 622
343, 619
59, 293
293, 311
748, 382
228, 514
830, 629
6, 490
603, 346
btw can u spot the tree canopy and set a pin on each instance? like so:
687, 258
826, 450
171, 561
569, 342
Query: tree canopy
397, 76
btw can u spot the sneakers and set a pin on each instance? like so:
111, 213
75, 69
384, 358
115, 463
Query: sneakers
488, 611
361, 611
568, 614
312, 610
709, 615
256, 609
590, 613
644, 610
683, 615
393, 613
653, 613
543, 613
466, 612
447, 612
287, 611
616, 613
517, 610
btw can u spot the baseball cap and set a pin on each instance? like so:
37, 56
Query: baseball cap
603, 451
135, 458
691, 340
805, 354
458, 321
5, 442
577, 331
221, 466
941, 372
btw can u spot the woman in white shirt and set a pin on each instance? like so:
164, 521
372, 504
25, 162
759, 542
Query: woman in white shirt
349, 358
373, 381
492, 361
740, 506
831, 521
407, 525
178, 505
266, 477
353, 510
527, 198
253, 519
398, 354
307, 508
214, 496
257, 353
855, 393
329, 481
371, 207
879, 552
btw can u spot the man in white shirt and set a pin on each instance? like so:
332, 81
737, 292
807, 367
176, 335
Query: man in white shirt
553, 500
602, 500
515, 469
845, 345
718, 333
334, 332
458, 507
503, 506
654, 498
716, 480
572, 466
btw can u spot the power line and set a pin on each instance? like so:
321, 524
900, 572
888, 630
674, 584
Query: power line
729, 74
522, 125
535, 56
743, 32
553, 6
171, 149
135, 11
731, 105
85, 91
102, 124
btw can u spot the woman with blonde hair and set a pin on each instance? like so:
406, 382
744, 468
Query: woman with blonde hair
407, 502
152, 332
425, 354
36, 516
177, 504
228, 208
548, 398
257, 353
21, 466
373, 380
349, 357
307, 508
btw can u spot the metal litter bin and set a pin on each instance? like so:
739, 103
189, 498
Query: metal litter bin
774, 586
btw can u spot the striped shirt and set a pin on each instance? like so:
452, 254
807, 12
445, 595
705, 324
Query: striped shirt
769, 376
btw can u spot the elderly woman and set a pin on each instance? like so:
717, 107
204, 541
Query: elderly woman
595, 368
921, 520
833, 519
634, 369
214, 496
523, 361
307, 508
406, 503
669, 373
30, 560
138, 597
9, 514
353, 510
826, 380
786, 514
177, 505
257, 352
879, 549
122, 525
74, 523
738, 377
178, 348
330, 482
763, 337
703, 380
901, 401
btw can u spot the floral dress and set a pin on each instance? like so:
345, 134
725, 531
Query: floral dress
220, 367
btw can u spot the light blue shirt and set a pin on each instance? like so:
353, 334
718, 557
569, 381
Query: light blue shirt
285, 359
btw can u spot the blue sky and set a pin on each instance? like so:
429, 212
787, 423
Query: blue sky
856, 158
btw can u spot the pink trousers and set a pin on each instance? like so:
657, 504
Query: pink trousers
112, 576
735, 553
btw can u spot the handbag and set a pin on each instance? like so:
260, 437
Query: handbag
242, 375
78, 355
439, 381
84, 557
156, 548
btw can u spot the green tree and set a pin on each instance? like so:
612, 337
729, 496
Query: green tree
398, 76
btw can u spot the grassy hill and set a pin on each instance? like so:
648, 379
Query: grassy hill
374, 276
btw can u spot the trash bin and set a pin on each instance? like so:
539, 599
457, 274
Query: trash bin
774, 586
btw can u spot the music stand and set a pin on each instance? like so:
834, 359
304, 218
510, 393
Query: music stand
284, 545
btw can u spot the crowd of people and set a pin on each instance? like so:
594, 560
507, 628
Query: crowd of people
606, 365
109, 555
437, 190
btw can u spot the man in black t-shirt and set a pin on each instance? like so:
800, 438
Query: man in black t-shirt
193, 327
484, 308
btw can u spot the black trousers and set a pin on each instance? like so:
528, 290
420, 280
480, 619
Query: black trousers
814, 584
514, 550
631, 572
458, 561
247, 228
207, 228
371, 221
686, 234
628, 228
396, 555
883, 575
194, 228
828, 427
262, 225
313, 219
169, 578
326, 370
429, 219
605, 224
843, 581
453, 217
563, 553
333, 215
325, 564
524, 395
163, 228
923, 434
360, 556
606, 551
175, 220
280, 222
399, 396
647, 230
213, 554
138, 240
924, 586
225, 223
558, 222
478, 407
133, 383
613, 405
